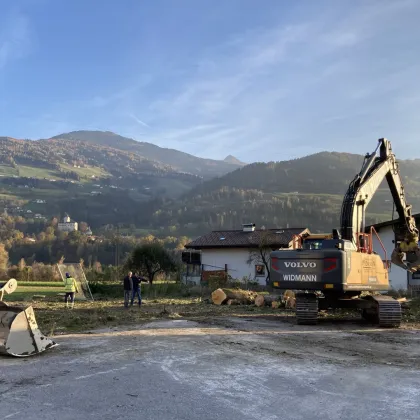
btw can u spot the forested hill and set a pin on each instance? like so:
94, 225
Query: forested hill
300, 192
103, 179
320, 173
180, 161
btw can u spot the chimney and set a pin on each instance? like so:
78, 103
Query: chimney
248, 227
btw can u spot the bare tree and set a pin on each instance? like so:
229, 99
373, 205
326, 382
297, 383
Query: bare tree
260, 255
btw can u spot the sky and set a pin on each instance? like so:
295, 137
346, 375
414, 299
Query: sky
263, 80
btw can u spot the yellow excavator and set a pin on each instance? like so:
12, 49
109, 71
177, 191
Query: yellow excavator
341, 268
19, 332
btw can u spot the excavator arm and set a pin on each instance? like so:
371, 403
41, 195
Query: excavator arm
377, 167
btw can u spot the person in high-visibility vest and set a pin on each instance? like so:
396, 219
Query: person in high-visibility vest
70, 287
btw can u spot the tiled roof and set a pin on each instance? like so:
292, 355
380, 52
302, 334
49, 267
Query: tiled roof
279, 238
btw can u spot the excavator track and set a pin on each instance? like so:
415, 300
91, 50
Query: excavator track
389, 311
306, 309
386, 311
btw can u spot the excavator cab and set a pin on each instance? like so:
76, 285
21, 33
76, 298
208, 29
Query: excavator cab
310, 240
19, 332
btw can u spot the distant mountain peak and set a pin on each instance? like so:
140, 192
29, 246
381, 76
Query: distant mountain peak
233, 160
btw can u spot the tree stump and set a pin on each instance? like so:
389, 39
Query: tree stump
266, 300
289, 299
218, 297
221, 296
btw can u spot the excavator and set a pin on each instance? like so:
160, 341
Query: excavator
343, 270
19, 332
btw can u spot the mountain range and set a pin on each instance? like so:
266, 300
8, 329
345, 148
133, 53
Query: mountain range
176, 160
106, 179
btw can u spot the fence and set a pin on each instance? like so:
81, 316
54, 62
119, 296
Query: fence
76, 271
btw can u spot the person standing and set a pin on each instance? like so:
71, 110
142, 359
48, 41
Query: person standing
137, 288
128, 288
70, 287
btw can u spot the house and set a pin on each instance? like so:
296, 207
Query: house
398, 277
67, 225
236, 252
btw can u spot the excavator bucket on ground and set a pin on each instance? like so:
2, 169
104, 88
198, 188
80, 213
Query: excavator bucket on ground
19, 332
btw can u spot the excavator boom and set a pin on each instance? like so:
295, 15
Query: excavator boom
377, 167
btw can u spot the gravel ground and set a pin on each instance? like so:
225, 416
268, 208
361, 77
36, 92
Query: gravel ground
228, 368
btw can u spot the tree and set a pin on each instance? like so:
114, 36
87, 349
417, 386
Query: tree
21, 264
150, 259
182, 241
261, 254
4, 257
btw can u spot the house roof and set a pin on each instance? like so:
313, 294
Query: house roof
278, 238
378, 226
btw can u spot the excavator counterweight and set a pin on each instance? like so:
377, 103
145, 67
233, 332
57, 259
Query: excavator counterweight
19, 332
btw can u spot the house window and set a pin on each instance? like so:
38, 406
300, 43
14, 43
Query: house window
260, 270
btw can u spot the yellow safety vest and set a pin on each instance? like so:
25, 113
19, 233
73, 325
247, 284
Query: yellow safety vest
70, 285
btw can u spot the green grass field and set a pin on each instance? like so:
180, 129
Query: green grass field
89, 171
26, 290
35, 172
30, 171
8, 170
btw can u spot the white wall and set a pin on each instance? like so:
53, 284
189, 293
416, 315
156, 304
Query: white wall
236, 260
397, 275
67, 227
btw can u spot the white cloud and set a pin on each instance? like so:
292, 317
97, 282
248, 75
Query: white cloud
139, 121
119, 95
15, 37
267, 87
271, 91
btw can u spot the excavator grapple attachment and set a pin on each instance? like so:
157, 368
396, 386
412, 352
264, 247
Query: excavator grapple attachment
19, 332
411, 262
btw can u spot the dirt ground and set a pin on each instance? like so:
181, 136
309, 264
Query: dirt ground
54, 318
251, 366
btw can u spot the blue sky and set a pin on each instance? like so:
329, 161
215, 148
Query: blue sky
260, 79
